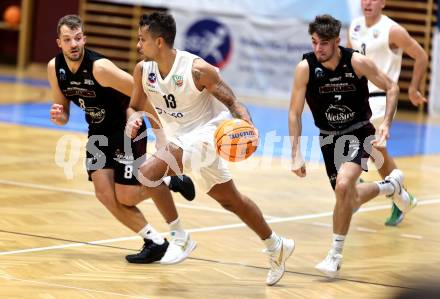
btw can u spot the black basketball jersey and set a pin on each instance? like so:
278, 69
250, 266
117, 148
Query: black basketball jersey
104, 107
338, 99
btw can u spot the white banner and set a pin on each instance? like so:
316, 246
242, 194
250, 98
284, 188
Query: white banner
344, 10
434, 91
256, 57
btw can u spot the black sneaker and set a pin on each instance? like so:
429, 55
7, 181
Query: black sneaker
150, 253
184, 186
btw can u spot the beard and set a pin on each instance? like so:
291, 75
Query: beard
77, 56
323, 59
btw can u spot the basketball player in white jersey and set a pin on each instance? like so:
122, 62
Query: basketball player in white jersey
87, 79
384, 41
191, 100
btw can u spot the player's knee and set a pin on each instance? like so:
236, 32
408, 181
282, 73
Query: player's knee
126, 199
129, 195
107, 198
342, 187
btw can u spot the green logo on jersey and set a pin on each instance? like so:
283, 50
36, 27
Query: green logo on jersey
178, 80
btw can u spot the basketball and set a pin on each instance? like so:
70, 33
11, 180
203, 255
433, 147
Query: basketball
11, 16
236, 140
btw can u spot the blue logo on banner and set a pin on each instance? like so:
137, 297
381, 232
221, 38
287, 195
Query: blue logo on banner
211, 40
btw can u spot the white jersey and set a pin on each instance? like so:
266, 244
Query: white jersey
374, 43
180, 105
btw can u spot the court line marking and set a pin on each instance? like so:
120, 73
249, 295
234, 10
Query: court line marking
213, 228
417, 237
226, 274
90, 193
9, 277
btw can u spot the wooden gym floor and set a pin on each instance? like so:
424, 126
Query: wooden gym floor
58, 241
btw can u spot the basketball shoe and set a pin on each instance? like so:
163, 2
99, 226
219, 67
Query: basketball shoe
396, 216
179, 249
331, 265
150, 253
184, 186
403, 200
277, 259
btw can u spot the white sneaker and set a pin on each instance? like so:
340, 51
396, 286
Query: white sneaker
277, 259
178, 250
403, 200
331, 265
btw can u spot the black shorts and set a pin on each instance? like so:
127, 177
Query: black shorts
351, 147
109, 152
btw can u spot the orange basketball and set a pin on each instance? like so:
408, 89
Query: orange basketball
236, 140
12, 15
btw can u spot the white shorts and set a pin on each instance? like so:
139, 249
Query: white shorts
200, 157
378, 106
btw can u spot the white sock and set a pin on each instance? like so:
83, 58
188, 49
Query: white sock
148, 232
272, 242
385, 187
167, 180
338, 243
176, 229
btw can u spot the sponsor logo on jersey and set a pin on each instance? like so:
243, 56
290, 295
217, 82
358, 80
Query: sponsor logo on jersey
319, 73
211, 40
88, 82
337, 87
339, 116
152, 78
349, 75
335, 79
178, 80
122, 158
376, 33
75, 83
96, 114
357, 28
62, 74
75, 91
164, 112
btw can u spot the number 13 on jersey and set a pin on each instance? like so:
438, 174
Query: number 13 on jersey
170, 101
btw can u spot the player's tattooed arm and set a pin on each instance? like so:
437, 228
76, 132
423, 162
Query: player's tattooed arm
206, 76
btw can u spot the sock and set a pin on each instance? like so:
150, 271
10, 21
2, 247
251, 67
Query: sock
176, 229
148, 232
385, 187
167, 180
338, 243
272, 242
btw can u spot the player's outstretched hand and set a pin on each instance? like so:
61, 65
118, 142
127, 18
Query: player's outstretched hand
132, 127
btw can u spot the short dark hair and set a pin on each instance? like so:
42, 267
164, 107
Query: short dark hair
325, 26
160, 24
71, 21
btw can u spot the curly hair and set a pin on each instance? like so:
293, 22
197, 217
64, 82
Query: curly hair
160, 24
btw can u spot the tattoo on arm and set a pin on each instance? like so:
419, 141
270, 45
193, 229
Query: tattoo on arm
196, 75
225, 95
